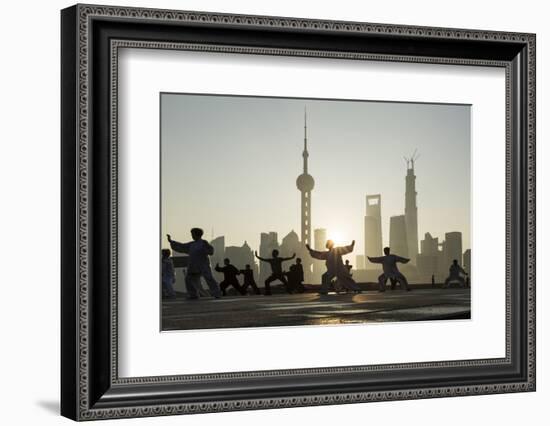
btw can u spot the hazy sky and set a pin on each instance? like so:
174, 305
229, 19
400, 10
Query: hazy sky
229, 164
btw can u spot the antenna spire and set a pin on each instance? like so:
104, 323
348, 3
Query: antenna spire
410, 160
305, 154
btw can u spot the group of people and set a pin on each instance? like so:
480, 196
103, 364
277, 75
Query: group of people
338, 273
292, 280
198, 251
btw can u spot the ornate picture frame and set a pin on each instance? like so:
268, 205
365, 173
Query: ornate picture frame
91, 37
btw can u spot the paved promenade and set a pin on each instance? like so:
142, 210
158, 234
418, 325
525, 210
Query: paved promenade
313, 309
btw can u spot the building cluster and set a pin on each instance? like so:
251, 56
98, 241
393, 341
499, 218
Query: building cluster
432, 260
434, 257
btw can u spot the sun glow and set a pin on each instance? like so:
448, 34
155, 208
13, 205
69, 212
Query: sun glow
338, 237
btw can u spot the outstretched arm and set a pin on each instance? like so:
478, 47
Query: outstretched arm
375, 259
177, 246
346, 249
289, 258
402, 259
261, 258
321, 255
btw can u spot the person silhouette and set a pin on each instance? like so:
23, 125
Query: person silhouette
335, 266
456, 273
168, 275
295, 276
230, 273
389, 266
276, 264
248, 274
348, 267
199, 264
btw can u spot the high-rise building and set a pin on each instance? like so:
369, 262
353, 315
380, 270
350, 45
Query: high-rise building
398, 236
305, 184
290, 244
319, 242
268, 243
373, 227
467, 261
360, 262
427, 262
452, 248
429, 246
411, 211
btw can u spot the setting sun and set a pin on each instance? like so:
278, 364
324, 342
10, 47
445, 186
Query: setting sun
338, 237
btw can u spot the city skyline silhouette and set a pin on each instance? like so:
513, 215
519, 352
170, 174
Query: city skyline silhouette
229, 164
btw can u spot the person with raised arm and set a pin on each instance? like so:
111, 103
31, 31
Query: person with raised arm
277, 273
389, 265
199, 263
335, 266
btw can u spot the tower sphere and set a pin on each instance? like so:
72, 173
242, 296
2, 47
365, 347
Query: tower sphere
305, 182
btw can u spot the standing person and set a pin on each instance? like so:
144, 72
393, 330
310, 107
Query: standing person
295, 276
168, 275
248, 274
348, 267
199, 264
389, 265
337, 286
335, 266
456, 273
276, 264
229, 277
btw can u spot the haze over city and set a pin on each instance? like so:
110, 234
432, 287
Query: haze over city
229, 166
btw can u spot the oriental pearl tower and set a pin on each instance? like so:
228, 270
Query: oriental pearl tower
305, 184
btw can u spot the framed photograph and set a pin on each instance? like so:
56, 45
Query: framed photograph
263, 212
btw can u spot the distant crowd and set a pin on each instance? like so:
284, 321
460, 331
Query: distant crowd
338, 274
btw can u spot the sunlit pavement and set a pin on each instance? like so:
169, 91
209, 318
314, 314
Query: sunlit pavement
315, 309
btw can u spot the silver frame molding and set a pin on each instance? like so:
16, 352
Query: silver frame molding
91, 39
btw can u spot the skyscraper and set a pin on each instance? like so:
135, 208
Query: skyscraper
467, 261
290, 244
373, 227
305, 184
398, 236
360, 261
411, 213
427, 262
429, 246
452, 248
319, 241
